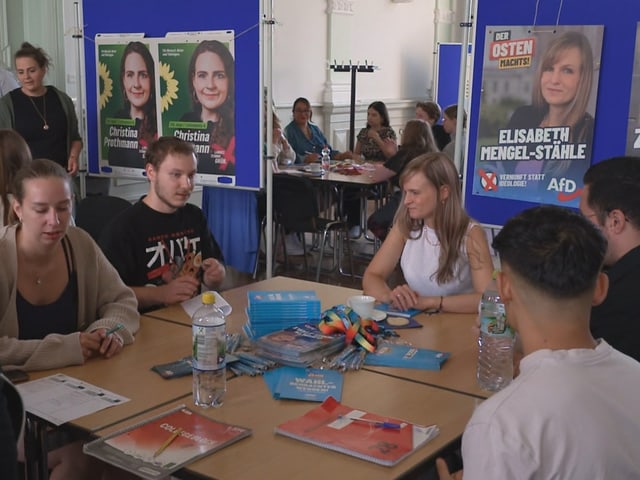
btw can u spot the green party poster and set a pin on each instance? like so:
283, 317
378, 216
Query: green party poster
127, 103
197, 99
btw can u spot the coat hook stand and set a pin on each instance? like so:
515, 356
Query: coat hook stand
354, 69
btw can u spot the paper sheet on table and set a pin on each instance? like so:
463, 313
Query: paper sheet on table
190, 306
60, 398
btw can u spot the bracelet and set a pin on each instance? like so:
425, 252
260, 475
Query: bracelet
440, 306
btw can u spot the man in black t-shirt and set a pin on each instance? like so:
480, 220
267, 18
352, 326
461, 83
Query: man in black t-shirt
611, 200
162, 246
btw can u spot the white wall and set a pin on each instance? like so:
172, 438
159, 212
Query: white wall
398, 38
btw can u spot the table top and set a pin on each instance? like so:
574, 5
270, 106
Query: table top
329, 296
448, 332
331, 176
129, 373
267, 455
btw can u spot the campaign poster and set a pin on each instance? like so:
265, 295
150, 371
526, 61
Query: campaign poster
127, 103
197, 99
537, 109
633, 130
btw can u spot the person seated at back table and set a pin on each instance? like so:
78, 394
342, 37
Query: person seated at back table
573, 411
450, 125
444, 254
431, 113
611, 200
60, 295
305, 137
377, 141
161, 245
416, 140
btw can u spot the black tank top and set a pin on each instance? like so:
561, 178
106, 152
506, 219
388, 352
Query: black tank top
37, 321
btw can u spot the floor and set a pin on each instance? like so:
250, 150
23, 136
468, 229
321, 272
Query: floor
362, 253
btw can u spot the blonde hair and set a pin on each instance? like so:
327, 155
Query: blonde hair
579, 103
451, 221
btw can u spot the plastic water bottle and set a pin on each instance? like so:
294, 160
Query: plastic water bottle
326, 158
209, 350
495, 343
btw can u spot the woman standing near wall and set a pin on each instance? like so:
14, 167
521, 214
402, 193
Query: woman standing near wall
43, 115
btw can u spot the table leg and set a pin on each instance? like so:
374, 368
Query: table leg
35, 448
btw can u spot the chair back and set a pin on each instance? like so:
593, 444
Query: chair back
93, 213
295, 203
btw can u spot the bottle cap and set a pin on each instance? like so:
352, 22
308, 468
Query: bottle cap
208, 298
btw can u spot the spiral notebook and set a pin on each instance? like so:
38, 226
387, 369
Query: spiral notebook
157, 447
375, 438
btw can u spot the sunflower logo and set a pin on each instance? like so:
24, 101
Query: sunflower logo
106, 84
168, 86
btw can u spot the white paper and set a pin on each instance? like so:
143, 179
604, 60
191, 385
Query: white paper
190, 306
60, 398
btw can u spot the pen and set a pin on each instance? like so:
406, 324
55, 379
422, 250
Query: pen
375, 423
167, 442
115, 329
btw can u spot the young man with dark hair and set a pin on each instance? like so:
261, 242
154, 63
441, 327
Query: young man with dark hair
573, 410
162, 246
611, 201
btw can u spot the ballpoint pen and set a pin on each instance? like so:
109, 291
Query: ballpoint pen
167, 442
119, 326
375, 423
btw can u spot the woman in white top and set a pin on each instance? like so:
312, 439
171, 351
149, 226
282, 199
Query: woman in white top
444, 255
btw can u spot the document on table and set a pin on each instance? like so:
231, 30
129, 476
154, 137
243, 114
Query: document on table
60, 398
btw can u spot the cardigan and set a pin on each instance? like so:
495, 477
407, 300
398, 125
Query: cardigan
103, 302
8, 120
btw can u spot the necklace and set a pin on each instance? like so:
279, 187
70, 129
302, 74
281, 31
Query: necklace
42, 115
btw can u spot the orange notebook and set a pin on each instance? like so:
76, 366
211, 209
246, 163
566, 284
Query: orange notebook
372, 437
155, 448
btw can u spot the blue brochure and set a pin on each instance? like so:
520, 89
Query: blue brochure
309, 384
392, 312
404, 356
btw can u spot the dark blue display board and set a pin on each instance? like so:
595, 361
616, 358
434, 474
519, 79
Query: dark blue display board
448, 73
155, 19
619, 20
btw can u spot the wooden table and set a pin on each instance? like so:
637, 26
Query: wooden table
329, 296
129, 373
445, 397
448, 332
269, 456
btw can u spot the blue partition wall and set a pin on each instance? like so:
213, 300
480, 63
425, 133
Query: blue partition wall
612, 110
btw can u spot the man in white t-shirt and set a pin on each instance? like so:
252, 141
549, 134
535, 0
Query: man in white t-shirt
573, 411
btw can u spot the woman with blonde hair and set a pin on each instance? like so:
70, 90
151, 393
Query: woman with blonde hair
14, 154
560, 96
443, 253
417, 138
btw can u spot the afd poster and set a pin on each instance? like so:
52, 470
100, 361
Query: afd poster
633, 130
197, 97
127, 108
537, 109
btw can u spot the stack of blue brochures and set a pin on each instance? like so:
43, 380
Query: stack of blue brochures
269, 311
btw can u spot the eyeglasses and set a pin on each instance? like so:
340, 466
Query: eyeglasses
302, 111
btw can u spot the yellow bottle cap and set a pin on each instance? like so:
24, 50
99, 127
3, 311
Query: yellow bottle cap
208, 298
